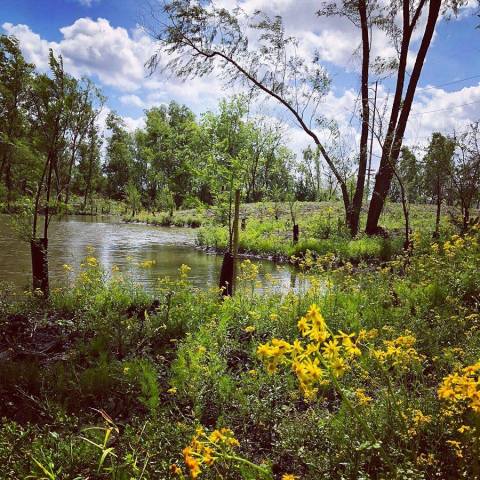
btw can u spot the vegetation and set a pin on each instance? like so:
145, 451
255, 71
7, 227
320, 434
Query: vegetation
368, 369
106, 381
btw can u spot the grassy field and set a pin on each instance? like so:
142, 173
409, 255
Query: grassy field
367, 374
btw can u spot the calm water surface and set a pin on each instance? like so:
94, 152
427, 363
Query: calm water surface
124, 245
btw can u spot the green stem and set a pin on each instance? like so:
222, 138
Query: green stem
248, 463
360, 420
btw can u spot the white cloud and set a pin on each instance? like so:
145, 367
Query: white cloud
437, 110
33, 46
132, 100
133, 124
94, 48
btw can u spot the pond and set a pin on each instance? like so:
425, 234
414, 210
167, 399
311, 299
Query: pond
124, 245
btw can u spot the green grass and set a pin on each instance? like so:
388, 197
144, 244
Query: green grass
322, 232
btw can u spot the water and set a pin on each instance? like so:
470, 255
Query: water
123, 245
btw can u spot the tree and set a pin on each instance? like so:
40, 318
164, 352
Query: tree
411, 172
466, 173
310, 180
118, 166
51, 100
133, 198
438, 169
15, 78
402, 38
87, 176
87, 105
362, 14
195, 36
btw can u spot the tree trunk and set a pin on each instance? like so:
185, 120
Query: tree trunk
70, 168
356, 207
227, 273
394, 138
436, 233
39, 249
296, 231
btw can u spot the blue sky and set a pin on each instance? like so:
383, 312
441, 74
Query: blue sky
101, 39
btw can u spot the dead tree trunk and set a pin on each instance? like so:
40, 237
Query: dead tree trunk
228, 271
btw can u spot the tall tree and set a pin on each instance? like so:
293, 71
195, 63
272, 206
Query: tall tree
402, 37
52, 98
199, 38
118, 166
466, 174
15, 78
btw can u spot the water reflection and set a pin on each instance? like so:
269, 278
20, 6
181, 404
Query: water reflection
125, 245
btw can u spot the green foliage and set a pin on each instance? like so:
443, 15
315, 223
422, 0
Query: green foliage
157, 370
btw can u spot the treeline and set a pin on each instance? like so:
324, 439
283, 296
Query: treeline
49, 135
178, 160
52, 146
447, 172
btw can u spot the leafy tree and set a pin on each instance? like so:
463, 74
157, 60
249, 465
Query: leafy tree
133, 198
51, 99
466, 174
86, 106
411, 172
196, 36
88, 174
118, 166
438, 170
15, 153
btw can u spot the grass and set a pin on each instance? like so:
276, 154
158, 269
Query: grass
104, 380
180, 218
268, 232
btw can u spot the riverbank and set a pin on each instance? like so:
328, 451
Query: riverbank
267, 231
149, 371
76, 206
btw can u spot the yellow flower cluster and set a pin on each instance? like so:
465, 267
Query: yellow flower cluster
248, 271
147, 264
399, 352
416, 421
310, 360
462, 389
361, 397
184, 271
91, 261
457, 243
205, 449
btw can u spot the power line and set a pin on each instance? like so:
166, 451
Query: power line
432, 87
448, 83
444, 109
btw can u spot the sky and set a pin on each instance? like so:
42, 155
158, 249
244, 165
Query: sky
104, 40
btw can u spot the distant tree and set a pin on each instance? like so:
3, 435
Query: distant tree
410, 171
15, 83
88, 174
86, 106
133, 198
310, 180
466, 174
118, 166
438, 170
